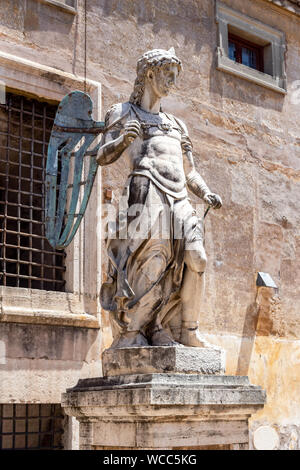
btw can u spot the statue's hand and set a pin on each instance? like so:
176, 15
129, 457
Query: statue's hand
186, 143
131, 131
213, 200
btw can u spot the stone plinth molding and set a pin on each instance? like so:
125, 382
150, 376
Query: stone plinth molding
163, 410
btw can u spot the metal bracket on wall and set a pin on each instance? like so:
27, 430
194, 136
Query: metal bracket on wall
265, 280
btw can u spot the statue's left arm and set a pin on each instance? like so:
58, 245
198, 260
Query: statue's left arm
195, 182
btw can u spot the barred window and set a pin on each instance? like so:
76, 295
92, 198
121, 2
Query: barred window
31, 427
26, 257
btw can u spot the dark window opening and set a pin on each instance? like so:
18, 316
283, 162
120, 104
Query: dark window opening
31, 427
245, 52
26, 257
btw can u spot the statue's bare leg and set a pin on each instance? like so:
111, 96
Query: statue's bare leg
191, 295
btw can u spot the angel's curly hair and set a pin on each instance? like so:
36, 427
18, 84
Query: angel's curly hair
157, 58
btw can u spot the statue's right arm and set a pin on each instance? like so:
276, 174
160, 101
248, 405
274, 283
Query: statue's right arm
117, 137
112, 144
111, 151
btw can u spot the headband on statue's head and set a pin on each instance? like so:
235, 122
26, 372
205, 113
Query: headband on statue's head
155, 58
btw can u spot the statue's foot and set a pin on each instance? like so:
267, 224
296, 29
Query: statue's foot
162, 338
192, 337
130, 339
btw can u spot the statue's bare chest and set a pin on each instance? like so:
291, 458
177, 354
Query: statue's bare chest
153, 125
157, 150
159, 140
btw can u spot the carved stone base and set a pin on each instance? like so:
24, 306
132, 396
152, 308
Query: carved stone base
162, 410
160, 359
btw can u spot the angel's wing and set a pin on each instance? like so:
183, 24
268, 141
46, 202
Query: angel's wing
73, 132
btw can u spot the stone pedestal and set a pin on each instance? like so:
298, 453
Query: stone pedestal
163, 398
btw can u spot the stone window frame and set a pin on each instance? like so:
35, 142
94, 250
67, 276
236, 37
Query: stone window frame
62, 5
79, 305
273, 40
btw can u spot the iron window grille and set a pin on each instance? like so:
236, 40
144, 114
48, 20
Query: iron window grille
31, 427
26, 257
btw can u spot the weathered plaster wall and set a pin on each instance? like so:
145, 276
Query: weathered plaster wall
246, 141
247, 147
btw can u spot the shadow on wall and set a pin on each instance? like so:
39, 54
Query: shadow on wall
248, 338
189, 19
258, 322
41, 17
69, 345
240, 90
195, 22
